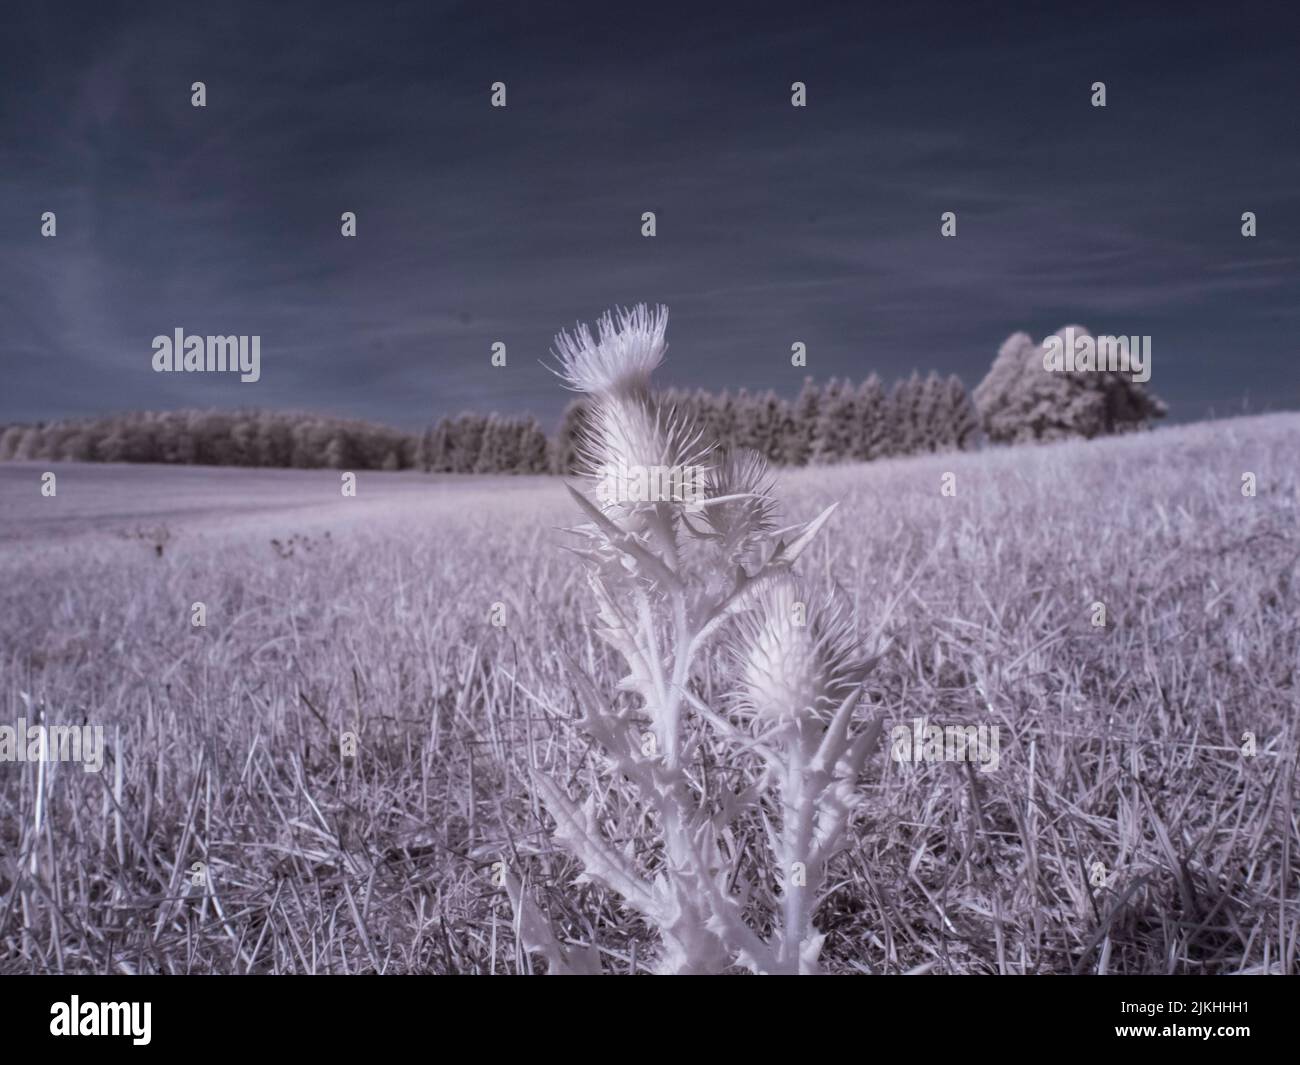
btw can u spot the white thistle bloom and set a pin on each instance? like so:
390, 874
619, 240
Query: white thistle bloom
630, 346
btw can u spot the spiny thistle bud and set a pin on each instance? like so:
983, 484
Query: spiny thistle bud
629, 441
738, 524
796, 660
630, 346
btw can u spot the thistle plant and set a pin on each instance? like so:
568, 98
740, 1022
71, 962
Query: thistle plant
683, 587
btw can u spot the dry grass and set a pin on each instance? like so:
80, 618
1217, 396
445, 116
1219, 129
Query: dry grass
1118, 746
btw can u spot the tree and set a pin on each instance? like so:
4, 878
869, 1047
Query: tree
110, 448
492, 446
785, 433
807, 408
748, 430
963, 419
533, 448
9, 441
274, 440
871, 439
307, 452
837, 423
77, 447
725, 407
423, 458
440, 446
1019, 399
703, 410
336, 452
566, 449
773, 422
904, 403
931, 425
467, 441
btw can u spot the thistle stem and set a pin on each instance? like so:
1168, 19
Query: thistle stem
796, 833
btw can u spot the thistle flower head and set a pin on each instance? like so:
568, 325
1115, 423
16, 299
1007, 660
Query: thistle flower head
738, 523
631, 432
637, 453
796, 659
617, 362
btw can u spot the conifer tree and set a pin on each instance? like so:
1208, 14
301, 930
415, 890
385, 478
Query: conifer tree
872, 438
903, 403
836, 423
565, 447
534, 449
962, 417
807, 407
931, 424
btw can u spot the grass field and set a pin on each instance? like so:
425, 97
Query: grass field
1123, 831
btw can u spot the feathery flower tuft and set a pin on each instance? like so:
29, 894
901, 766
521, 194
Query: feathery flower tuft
630, 346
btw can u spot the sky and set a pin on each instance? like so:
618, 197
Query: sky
775, 224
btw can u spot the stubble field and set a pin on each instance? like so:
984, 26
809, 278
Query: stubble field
1124, 830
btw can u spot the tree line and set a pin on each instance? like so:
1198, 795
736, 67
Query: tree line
215, 438
835, 421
